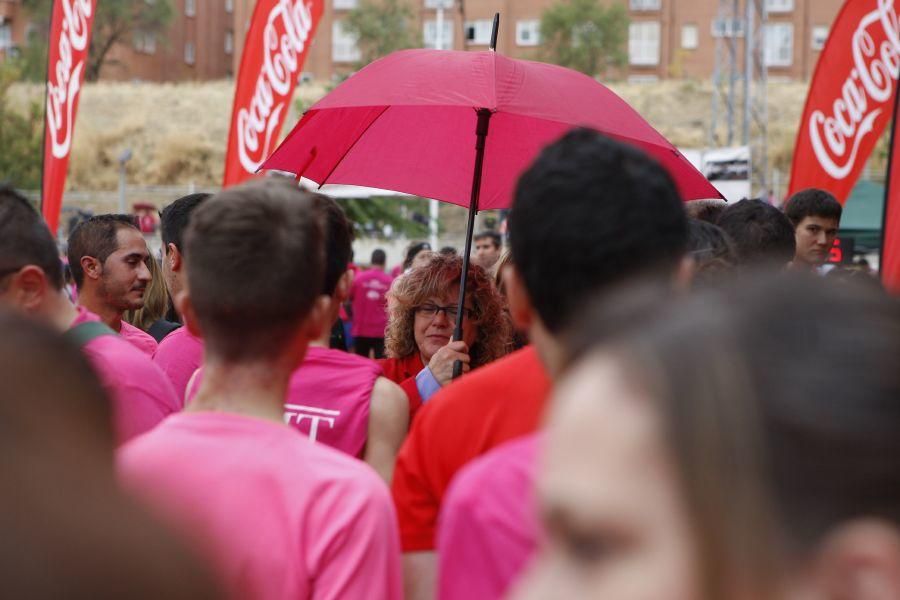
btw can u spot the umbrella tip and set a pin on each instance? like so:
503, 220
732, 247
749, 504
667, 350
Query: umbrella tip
494, 30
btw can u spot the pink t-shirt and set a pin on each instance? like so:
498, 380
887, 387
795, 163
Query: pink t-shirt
140, 393
142, 340
278, 516
179, 355
369, 304
329, 396
488, 528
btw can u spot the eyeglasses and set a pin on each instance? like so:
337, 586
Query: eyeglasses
451, 312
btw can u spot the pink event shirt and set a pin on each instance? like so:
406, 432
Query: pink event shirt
179, 355
140, 393
277, 515
369, 304
142, 340
488, 528
329, 396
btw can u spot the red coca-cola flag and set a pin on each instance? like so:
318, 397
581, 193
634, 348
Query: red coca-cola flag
70, 39
274, 51
850, 99
890, 230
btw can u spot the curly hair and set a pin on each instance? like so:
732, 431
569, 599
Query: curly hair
416, 287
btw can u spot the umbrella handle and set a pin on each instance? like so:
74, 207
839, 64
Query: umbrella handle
457, 368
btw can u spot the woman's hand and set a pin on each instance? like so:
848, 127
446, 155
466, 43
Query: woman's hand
441, 363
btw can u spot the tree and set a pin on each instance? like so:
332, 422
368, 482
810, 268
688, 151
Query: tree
381, 27
115, 23
585, 36
20, 136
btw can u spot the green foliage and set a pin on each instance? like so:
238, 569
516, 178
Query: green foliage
403, 216
585, 36
20, 136
381, 27
115, 22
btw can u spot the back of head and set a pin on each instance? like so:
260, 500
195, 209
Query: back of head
712, 250
705, 210
762, 234
590, 213
812, 202
338, 234
25, 239
67, 529
255, 265
379, 257
174, 219
96, 237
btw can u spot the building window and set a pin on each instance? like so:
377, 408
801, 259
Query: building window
779, 46
190, 8
430, 34
729, 28
643, 43
435, 4
690, 37
189, 52
345, 4
144, 42
344, 47
479, 32
229, 41
779, 6
229, 6
528, 33
819, 37
643, 4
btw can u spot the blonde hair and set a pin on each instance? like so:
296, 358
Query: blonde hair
156, 300
419, 285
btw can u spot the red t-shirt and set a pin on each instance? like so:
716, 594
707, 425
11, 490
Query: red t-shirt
496, 403
403, 371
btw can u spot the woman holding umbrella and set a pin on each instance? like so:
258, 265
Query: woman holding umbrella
422, 313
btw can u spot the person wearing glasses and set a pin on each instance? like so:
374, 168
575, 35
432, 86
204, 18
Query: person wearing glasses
422, 314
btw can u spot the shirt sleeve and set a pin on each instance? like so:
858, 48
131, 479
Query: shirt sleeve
427, 384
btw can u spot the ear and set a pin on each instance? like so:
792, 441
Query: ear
174, 257
91, 267
684, 274
185, 308
319, 318
520, 307
29, 287
860, 560
342, 290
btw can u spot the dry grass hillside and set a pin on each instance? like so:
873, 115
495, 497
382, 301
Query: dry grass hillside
177, 132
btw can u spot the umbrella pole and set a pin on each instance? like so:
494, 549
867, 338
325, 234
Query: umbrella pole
481, 131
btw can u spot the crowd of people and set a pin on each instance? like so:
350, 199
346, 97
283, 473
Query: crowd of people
658, 399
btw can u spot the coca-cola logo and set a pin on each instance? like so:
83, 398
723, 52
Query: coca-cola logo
836, 137
64, 79
287, 29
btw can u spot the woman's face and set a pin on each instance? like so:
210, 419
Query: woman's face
421, 258
615, 520
434, 332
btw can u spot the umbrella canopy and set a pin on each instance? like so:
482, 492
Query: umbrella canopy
407, 122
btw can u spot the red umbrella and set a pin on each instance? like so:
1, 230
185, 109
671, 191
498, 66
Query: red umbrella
429, 122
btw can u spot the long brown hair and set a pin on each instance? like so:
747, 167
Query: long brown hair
156, 300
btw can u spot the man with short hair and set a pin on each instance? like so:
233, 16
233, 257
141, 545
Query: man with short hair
488, 246
367, 300
563, 253
31, 282
279, 516
181, 352
816, 217
762, 235
108, 259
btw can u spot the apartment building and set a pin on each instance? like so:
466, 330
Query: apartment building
666, 38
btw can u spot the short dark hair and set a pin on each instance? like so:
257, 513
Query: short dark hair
173, 219
762, 234
25, 239
255, 265
379, 257
705, 210
812, 202
412, 250
712, 249
96, 237
338, 233
492, 235
591, 212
